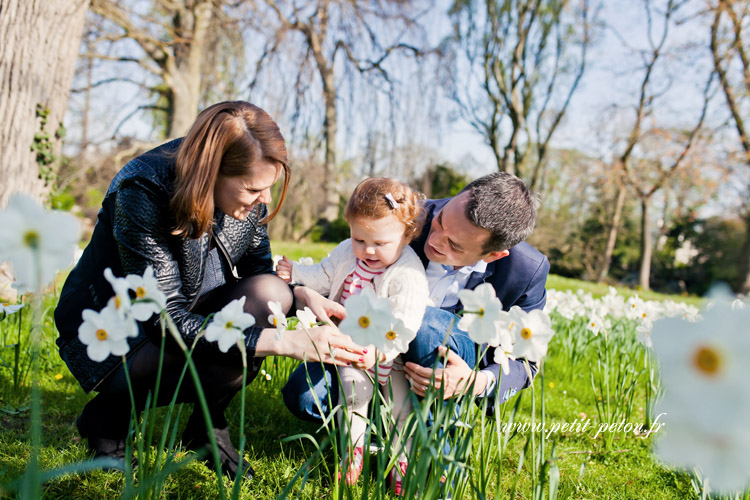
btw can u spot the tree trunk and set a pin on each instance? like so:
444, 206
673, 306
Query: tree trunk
646, 245
509, 166
39, 42
183, 65
184, 99
612, 237
331, 209
497, 150
743, 281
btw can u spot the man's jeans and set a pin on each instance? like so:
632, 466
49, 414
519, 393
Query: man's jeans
314, 399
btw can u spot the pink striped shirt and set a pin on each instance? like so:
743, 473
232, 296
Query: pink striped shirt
360, 278
357, 281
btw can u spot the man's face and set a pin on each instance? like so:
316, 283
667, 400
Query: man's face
454, 241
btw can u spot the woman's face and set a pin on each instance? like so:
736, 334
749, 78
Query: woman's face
238, 196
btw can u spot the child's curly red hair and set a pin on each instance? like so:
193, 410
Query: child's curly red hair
369, 200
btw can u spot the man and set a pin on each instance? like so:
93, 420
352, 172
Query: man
475, 237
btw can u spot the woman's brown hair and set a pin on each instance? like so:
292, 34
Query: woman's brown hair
377, 197
226, 139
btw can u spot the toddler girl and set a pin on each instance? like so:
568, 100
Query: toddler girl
383, 216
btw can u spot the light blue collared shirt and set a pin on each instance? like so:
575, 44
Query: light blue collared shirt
445, 282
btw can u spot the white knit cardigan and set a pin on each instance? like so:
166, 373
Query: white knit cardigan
404, 282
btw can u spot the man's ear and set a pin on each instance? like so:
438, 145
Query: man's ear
493, 256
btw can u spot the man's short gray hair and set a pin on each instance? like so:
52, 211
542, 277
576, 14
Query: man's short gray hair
502, 204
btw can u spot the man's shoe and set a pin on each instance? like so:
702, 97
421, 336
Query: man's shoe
228, 456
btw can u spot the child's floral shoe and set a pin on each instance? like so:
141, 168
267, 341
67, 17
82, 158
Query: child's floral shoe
396, 476
352, 467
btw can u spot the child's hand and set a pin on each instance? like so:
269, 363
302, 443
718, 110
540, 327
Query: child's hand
284, 269
369, 358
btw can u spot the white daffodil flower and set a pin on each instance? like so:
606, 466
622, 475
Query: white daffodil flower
229, 324
504, 351
106, 332
532, 332
368, 318
635, 308
395, 340
482, 309
121, 288
277, 318
305, 318
722, 457
306, 261
705, 360
597, 324
149, 300
7, 309
643, 331
35, 241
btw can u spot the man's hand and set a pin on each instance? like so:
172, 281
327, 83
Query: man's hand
322, 307
455, 378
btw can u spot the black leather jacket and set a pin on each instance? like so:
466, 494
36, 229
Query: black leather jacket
133, 231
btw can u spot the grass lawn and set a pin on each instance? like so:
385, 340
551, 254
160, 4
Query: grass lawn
588, 466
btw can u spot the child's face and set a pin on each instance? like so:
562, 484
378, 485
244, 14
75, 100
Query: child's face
378, 242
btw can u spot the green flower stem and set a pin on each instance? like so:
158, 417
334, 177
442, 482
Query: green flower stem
240, 471
17, 355
32, 484
132, 425
202, 400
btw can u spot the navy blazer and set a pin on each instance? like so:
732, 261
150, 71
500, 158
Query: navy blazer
518, 279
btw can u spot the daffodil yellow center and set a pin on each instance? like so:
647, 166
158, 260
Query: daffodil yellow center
481, 312
390, 335
707, 361
101, 334
364, 321
644, 315
31, 239
140, 292
118, 302
526, 333
593, 324
229, 324
275, 321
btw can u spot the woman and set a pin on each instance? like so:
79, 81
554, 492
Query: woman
195, 210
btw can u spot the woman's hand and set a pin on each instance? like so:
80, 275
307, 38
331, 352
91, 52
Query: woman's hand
284, 269
321, 343
322, 307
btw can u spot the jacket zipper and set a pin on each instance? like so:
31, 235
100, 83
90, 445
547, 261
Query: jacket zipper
203, 278
224, 253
